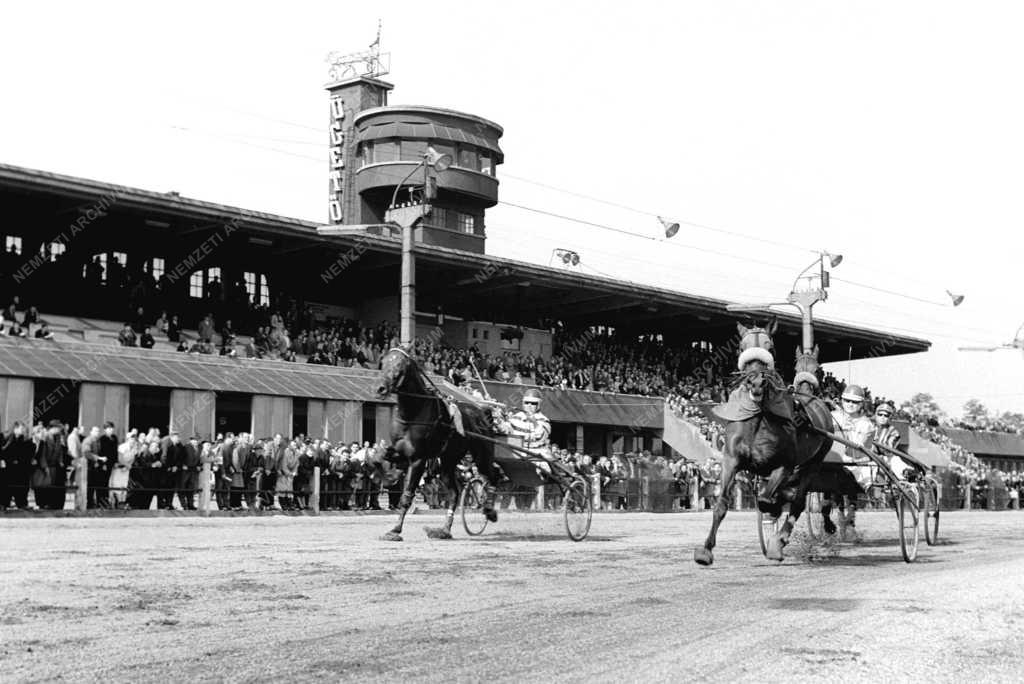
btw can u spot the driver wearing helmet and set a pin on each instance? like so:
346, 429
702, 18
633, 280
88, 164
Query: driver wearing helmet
529, 424
851, 423
889, 436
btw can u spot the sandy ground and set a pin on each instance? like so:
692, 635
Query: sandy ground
304, 598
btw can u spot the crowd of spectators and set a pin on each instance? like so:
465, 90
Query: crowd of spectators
147, 469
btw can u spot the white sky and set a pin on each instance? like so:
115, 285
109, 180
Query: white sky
890, 132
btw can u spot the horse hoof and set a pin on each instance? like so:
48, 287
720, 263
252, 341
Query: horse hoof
437, 533
703, 556
491, 515
774, 551
391, 536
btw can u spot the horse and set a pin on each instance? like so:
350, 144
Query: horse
423, 428
767, 435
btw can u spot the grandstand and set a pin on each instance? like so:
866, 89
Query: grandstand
77, 249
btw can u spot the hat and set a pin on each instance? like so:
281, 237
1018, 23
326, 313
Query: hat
55, 424
532, 394
853, 393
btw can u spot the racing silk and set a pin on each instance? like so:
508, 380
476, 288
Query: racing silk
890, 437
887, 436
535, 429
857, 429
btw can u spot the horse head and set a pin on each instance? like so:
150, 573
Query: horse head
757, 338
756, 358
394, 370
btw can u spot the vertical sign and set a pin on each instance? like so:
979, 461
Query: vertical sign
337, 160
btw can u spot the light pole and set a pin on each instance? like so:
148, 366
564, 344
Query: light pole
407, 217
803, 298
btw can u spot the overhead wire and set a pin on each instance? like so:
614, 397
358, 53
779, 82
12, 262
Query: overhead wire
606, 202
560, 216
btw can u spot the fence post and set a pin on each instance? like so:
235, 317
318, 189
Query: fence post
204, 489
737, 497
694, 493
645, 493
314, 498
82, 492
538, 503
595, 491
967, 496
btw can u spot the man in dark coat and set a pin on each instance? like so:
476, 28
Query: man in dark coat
272, 455
188, 475
16, 454
105, 463
175, 457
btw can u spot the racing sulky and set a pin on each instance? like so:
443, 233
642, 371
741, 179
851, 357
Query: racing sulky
766, 435
423, 428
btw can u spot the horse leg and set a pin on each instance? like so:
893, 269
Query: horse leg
826, 513
412, 480
768, 499
483, 457
702, 554
796, 507
450, 482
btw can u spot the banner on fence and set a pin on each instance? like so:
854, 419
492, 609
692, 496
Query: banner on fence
685, 438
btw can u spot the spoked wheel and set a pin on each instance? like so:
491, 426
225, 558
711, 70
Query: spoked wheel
472, 503
931, 512
906, 512
815, 521
578, 509
767, 527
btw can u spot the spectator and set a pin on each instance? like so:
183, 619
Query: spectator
146, 341
44, 332
173, 329
16, 463
127, 336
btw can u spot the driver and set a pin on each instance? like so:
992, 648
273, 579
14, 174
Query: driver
887, 435
851, 423
528, 423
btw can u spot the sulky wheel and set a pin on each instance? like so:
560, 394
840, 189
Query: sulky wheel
767, 527
471, 501
577, 508
931, 511
907, 512
815, 521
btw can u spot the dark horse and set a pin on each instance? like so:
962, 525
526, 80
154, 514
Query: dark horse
422, 429
767, 435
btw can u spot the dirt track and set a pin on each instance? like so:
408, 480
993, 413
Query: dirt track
160, 599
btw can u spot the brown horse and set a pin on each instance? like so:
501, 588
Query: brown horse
767, 435
422, 429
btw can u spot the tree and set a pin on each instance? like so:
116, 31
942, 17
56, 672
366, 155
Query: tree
1013, 421
975, 414
922, 406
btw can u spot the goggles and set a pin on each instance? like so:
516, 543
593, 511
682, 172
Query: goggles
883, 414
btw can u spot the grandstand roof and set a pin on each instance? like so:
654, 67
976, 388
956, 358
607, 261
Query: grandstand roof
464, 284
982, 443
85, 362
